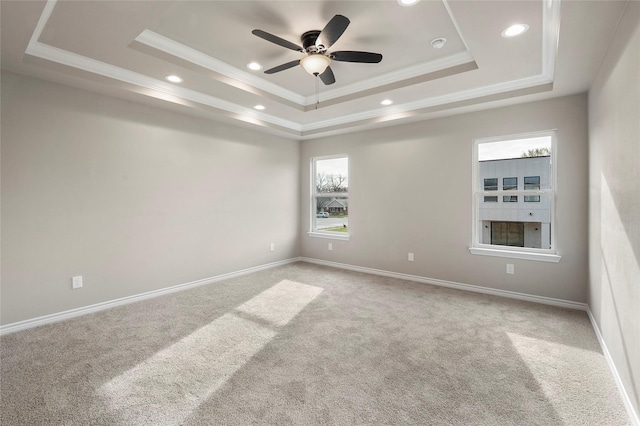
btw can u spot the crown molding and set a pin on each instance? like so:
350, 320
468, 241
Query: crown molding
186, 53
395, 76
402, 110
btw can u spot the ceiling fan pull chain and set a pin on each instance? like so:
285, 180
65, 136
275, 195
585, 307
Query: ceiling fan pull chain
317, 91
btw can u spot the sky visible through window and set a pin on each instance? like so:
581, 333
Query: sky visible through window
334, 166
511, 149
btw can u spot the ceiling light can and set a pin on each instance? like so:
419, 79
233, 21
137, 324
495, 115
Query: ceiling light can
173, 79
438, 43
515, 30
407, 2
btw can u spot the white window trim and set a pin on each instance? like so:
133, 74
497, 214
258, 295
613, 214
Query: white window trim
329, 235
312, 213
541, 255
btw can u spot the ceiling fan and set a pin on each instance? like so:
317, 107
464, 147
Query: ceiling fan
315, 44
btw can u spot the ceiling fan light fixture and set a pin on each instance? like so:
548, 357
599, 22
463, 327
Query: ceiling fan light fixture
254, 66
315, 64
407, 2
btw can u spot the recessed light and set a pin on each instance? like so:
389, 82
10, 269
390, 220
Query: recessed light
386, 102
173, 79
259, 107
254, 66
438, 43
515, 30
407, 2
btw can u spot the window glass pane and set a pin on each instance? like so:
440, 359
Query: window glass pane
330, 200
510, 184
517, 165
517, 148
531, 183
332, 214
535, 220
491, 184
332, 175
507, 234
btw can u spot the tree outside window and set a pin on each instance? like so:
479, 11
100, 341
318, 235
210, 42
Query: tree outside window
330, 198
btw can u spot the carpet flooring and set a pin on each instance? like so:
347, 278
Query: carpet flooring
303, 344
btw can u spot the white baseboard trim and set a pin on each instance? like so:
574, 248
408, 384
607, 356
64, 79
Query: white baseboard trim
451, 284
72, 313
633, 416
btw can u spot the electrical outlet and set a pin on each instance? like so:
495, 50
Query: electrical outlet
330, 246
76, 282
510, 269
410, 257
272, 247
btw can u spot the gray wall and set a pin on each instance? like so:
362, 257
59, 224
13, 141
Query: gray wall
132, 198
410, 191
614, 200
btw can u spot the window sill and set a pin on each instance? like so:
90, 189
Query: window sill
539, 257
331, 236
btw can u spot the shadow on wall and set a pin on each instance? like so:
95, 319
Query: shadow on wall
620, 281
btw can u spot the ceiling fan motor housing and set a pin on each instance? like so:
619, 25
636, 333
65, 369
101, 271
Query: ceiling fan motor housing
309, 42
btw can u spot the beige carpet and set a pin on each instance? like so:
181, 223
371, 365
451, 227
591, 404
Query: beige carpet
304, 344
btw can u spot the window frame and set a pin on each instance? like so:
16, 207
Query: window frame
478, 193
313, 232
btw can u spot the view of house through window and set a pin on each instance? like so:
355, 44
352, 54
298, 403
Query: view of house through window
330, 201
513, 192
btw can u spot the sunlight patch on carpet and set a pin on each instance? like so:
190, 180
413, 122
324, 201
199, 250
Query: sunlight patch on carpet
167, 387
559, 370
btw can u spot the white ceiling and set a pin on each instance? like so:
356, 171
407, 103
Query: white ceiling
126, 48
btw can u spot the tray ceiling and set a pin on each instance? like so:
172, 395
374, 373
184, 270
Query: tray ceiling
127, 48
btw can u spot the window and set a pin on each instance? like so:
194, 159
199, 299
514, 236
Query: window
510, 184
507, 233
491, 184
330, 197
531, 183
515, 227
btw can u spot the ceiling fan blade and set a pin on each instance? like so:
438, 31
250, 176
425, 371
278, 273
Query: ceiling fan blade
354, 56
327, 76
277, 40
283, 67
332, 31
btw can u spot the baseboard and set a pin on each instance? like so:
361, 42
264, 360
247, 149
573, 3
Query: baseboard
451, 284
72, 313
633, 415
